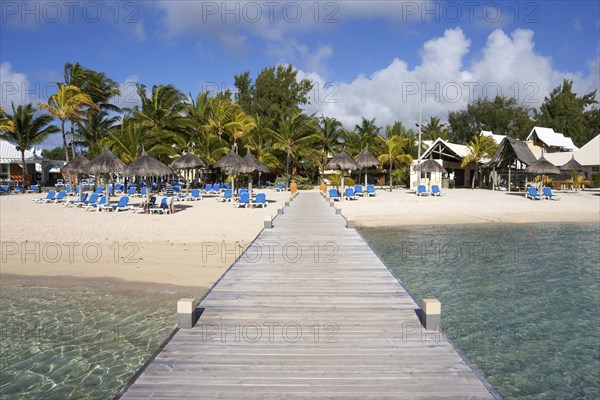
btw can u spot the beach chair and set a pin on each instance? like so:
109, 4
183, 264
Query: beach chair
548, 195
226, 196
118, 188
349, 194
60, 197
260, 201
59, 182
99, 190
244, 200
280, 187
216, 189
194, 196
371, 191
422, 190
18, 189
334, 195
77, 202
435, 191
33, 189
101, 201
93, 199
162, 208
49, 197
132, 191
267, 184
532, 194
4, 189
207, 189
225, 186
358, 190
122, 205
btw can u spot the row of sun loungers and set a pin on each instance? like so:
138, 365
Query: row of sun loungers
352, 193
547, 194
435, 191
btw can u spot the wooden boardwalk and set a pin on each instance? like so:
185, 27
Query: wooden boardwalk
309, 312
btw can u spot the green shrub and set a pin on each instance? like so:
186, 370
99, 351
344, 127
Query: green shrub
596, 179
401, 175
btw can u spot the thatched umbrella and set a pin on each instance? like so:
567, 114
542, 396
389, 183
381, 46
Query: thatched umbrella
367, 160
106, 163
187, 162
572, 165
231, 164
250, 164
146, 166
75, 167
431, 166
343, 162
542, 167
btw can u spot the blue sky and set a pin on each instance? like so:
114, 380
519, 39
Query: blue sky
378, 59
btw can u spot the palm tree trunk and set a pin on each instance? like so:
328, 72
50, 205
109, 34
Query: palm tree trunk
72, 140
473, 180
64, 138
287, 171
23, 179
391, 168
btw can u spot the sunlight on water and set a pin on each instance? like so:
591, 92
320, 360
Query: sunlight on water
521, 301
63, 344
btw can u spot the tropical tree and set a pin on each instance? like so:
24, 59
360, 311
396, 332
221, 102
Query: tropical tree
577, 180
27, 130
331, 133
295, 137
434, 129
480, 148
6, 124
211, 148
68, 104
393, 153
92, 128
260, 142
127, 140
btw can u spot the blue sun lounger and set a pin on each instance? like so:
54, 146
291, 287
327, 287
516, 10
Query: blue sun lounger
435, 191
162, 208
49, 197
260, 201
371, 191
96, 206
280, 187
548, 195
33, 189
194, 196
244, 200
122, 205
60, 197
77, 202
226, 196
349, 194
422, 190
334, 195
532, 194
358, 190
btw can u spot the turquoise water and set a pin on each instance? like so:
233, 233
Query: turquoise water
75, 344
521, 301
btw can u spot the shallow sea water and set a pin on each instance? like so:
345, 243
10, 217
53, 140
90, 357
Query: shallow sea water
77, 344
521, 301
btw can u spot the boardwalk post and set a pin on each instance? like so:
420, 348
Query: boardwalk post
432, 310
186, 313
268, 222
338, 210
279, 210
331, 203
350, 224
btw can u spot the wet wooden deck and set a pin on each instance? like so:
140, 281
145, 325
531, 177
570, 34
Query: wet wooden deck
309, 312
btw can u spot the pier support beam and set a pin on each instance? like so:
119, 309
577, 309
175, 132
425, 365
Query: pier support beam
432, 314
268, 221
350, 224
186, 313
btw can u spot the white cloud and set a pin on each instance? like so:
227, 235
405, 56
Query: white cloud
14, 87
507, 65
129, 97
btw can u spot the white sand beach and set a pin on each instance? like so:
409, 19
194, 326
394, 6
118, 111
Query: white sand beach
191, 249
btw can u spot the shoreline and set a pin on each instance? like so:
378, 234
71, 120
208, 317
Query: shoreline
191, 250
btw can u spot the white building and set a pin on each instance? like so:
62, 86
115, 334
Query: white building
38, 168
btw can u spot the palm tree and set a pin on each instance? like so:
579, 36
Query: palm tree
211, 148
228, 120
480, 148
6, 124
435, 129
127, 140
392, 152
577, 180
260, 142
295, 137
93, 128
68, 103
363, 135
331, 132
27, 130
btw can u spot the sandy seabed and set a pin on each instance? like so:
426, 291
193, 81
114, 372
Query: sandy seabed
55, 246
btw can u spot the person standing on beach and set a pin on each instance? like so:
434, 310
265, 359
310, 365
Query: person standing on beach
170, 198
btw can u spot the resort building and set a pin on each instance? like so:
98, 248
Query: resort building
448, 155
588, 156
547, 141
38, 169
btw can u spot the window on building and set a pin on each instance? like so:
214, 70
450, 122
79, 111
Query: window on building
4, 172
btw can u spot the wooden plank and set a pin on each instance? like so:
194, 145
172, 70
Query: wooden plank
286, 322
